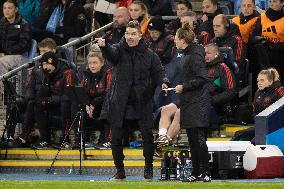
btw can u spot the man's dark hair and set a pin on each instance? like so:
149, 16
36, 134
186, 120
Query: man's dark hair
214, 2
134, 24
15, 2
187, 3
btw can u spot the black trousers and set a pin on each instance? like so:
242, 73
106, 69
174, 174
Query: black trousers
117, 145
246, 135
197, 138
42, 117
29, 120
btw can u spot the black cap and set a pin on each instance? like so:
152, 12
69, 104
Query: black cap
50, 58
157, 23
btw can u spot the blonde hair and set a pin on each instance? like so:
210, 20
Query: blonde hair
271, 74
95, 54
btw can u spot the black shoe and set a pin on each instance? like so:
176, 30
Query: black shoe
148, 173
204, 177
103, 146
19, 143
42, 144
119, 176
191, 178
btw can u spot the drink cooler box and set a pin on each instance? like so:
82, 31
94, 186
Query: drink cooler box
263, 161
225, 161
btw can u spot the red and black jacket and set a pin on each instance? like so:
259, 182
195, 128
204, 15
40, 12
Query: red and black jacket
206, 31
234, 40
164, 47
222, 85
96, 86
55, 83
266, 97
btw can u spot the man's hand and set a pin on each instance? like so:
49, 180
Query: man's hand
179, 89
101, 42
164, 86
204, 18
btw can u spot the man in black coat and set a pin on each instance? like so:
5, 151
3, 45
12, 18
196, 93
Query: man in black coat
137, 72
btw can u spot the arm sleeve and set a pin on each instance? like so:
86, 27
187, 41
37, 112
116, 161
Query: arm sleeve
228, 86
201, 74
157, 71
111, 53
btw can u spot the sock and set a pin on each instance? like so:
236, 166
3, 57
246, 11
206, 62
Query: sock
162, 132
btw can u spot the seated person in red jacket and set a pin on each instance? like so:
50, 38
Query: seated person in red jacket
52, 96
269, 91
228, 35
96, 81
210, 9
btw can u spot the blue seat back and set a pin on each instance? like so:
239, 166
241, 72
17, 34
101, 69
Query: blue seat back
32, 52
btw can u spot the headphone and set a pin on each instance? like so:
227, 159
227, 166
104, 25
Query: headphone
226, 22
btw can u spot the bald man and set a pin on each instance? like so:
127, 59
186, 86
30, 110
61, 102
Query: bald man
228, 35
121, 17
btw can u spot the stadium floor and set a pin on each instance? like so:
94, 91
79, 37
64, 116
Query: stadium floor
13, 176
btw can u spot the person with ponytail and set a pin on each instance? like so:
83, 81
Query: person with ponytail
195, 102
269, 91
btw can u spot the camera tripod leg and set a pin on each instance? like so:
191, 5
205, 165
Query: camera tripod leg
63, 141
80, 117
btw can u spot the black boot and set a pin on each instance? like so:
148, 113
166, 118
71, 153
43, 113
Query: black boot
148, 172
119, 175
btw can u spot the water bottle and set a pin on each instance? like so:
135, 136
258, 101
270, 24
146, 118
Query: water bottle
165, 169
135, 144
173, 168
179, 169
187, 168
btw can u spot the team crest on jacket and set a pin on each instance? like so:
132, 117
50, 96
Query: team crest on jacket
211, 73
267, 101
81, 16
49, 61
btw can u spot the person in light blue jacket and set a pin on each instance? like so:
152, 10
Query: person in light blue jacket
260, 5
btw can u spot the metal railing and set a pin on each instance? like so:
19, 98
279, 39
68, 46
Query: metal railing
73, 43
